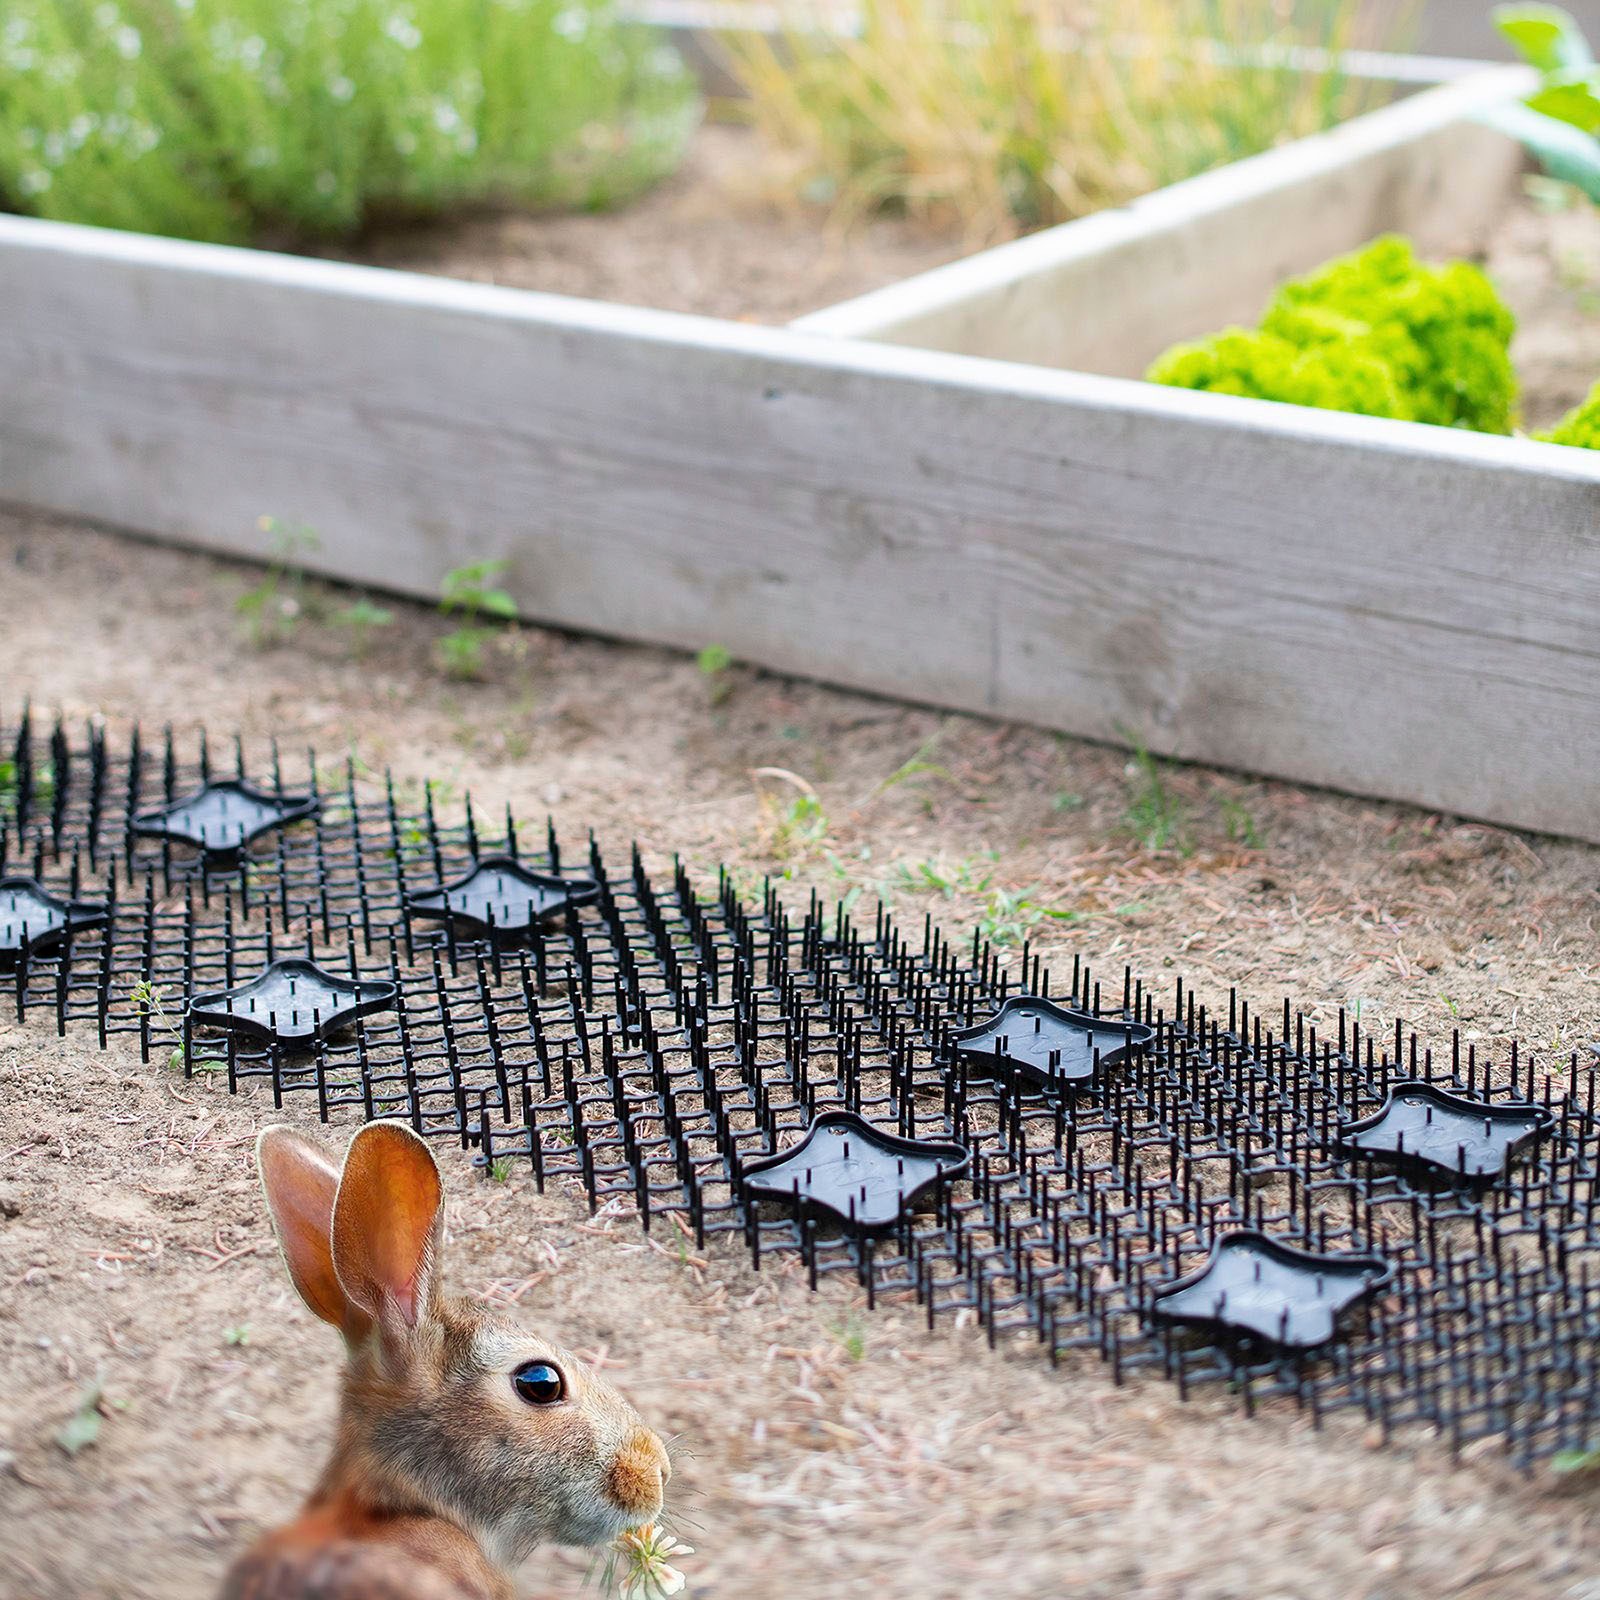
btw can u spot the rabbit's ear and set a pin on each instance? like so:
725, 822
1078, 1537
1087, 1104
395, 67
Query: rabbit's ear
386, 1223
300, 1183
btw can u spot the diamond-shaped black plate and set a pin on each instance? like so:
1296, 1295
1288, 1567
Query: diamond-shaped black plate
1459, 1135
500, 898
1048, 1043
291, 1002
1256, 1285
33, 917
222, 819
860, 1173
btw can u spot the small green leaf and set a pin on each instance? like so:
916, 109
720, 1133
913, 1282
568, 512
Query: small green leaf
363, 613
1570, 1461
713, 659
82, 1428
1546, 37
498, 603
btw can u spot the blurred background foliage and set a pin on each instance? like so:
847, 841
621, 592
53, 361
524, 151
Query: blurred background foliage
298, 120
1005, 115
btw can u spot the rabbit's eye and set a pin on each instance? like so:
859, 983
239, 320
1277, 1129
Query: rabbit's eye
538, 1383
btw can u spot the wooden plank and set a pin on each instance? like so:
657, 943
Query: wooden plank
1376, 606
1110, 292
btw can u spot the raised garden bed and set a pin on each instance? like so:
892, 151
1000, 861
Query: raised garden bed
1374, 606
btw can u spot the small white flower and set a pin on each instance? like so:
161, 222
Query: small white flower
129, 44
251, 51
572, 23
326, 183
34, 181
341, 88
651, 1576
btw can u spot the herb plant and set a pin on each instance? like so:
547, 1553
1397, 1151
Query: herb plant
241, 120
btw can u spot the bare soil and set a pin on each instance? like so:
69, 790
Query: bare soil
1546, 263
718, 238
134, 1251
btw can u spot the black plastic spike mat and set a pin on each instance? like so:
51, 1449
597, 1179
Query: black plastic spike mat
653, 1039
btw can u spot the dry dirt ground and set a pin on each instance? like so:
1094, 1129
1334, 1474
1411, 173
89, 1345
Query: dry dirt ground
724, 236
821, 1451
1545, 260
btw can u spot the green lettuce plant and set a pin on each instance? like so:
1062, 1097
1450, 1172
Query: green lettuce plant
1580, 426
1376, 332
1559, 123
241, 120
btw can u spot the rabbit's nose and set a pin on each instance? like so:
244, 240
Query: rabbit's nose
639, 1474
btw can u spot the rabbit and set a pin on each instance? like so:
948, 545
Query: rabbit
464, 1440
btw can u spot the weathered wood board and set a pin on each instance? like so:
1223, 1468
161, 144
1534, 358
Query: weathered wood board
1380, 607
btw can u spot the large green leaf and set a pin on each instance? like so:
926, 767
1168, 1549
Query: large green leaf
1545, 36
1570, 99
1563, 151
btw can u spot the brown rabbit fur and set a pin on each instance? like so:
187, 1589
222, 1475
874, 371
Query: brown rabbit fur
445, 1473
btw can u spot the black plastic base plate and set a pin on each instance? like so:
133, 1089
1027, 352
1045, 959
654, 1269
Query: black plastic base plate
292, 1002
1258, 1286
1450, 1135
500, 899
34, 920
863, 1175
1050, 1045
223, 819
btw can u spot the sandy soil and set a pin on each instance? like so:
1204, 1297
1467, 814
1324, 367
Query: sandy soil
718, 238
1546, 263
133, 1248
